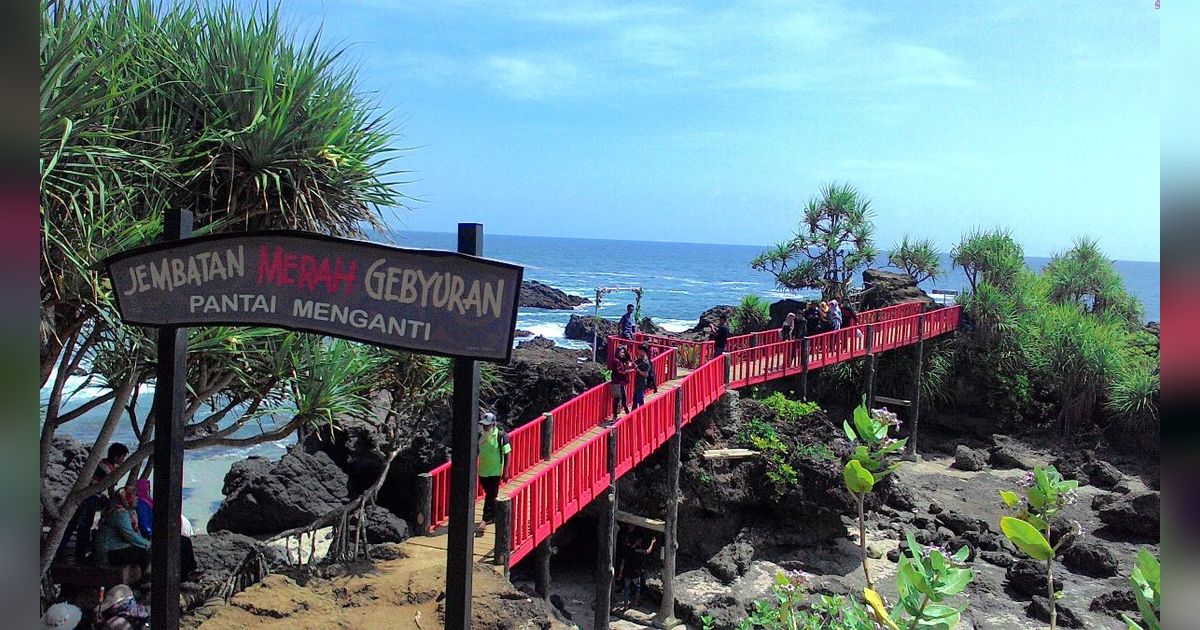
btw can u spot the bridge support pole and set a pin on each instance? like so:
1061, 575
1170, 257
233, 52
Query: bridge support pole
910, 453
425, 517
666, 610
608, 541
547, 435
502, 552
870, 366
804, 369
541, 579
728, 363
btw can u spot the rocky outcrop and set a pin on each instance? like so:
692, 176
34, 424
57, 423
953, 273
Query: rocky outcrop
581, 328
885, 288
731, 561
219, 555
1028, 577
540, 377
264, 497
1135, 513
534, 294
966, 458
1091, 558
711, 317
698, 594
384, 527
780, 310
1039, 609
66, 458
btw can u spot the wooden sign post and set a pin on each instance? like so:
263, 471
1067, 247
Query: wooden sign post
452, 304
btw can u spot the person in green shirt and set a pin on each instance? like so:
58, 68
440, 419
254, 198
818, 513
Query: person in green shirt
494, 448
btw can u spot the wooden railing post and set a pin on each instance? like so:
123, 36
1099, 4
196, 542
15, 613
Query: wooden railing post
804, 369
728, 361
870, 366
541, 578
547, 435
503, 533
425, 501
666, 609
607, 532
910, 453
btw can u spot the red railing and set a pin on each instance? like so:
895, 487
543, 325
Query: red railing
439, 508
701, 387
644, 430
549, 498
689, 354
580, 415
526, 443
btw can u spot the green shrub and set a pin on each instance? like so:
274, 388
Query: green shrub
1147, 589
1133, 397
762, 437
787, 410
752, 314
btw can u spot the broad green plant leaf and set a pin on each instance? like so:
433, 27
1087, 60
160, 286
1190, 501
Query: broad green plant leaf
881, 613
1026, 538
1010, 498
858, 479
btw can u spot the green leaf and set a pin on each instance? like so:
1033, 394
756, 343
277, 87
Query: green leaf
1010, 498
849, 432
1149, 566
1026, 538
863, 422
961, 554
955, 581
858, 479
939, 611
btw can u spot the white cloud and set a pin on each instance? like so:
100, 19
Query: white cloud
529, 78
921, 65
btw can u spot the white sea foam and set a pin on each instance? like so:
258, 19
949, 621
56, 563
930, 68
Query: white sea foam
676, 325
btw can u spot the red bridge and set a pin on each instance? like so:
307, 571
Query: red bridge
564, 459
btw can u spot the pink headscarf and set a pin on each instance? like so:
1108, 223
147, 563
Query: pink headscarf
142, 488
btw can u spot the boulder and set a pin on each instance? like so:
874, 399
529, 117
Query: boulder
534, 294
581, 327
540, 377
966, 458
648, 326
998, 558
1090, 558
961, 524
885, 288
780, 310
522, 334
1115, 602
711, 317
698, 593
66, 458
538, 342
1039, 609
264, 497
1103, 474
1028, 577
731, 561
1135, 513
384, 527
219, 555
1006, 455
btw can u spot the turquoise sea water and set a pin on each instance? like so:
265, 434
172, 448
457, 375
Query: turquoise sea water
680, 280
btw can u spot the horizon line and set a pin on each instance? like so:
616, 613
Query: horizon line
617, 240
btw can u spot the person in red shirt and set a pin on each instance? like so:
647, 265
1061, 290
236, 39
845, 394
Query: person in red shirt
620, 366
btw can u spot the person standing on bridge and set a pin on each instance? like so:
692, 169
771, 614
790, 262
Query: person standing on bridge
812, 319
620, 366
643, 372
719, 335
494, 449
835, 314
626, 325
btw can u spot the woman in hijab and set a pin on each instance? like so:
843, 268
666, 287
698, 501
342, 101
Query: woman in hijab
145, 525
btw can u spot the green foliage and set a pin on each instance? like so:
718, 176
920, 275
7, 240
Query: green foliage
990, 256
926, 579
1078, 355
1147, 590
1132, 397
762, 436
1085, 277
1026, 538
858, 479
816, 451
874, 451
752, 314
918, 258
834, 240
788, 410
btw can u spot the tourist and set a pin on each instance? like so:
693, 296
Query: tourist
652, 377
627, 325
85, 516
145, 526
643, 371
787, 331
494, 449
826, 325
849, 316
632, 567
620, 367
119, 610
812, 319
62, 616
719, 335
835, 315
118, 542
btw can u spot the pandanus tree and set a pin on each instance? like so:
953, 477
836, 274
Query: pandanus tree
835, 239
148, 106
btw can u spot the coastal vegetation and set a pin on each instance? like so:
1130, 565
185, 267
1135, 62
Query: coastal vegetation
145, 108
918, 258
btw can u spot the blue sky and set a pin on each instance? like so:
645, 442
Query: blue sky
705, 122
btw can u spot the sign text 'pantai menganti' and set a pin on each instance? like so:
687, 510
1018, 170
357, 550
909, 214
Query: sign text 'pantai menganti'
424, 300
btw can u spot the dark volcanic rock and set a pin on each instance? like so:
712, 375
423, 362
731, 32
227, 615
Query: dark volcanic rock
780, 310
581, 327
710, 317
998, 558
264, 497
1005, 456
1039, 609
66, 458
521, 334
960, 524
1103, 474
966, 458
885, 288
384, 527
1028, 577
648, 326
1114, 603
1091, 558
731, 561
219, 555
1133, 513
537, 342
540, 377
534, 294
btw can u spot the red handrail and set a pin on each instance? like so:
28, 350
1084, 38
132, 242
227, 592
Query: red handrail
580, 415
644, 430
526, 443
701, 387
690, 354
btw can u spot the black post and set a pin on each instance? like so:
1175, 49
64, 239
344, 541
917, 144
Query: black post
728, 368
464, 447
547, 435
168, 404
500, 554
911, 452
804, 369
666, 609
870, 366
607, 532
541, 579
425, 501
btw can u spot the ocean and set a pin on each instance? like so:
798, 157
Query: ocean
679, 281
